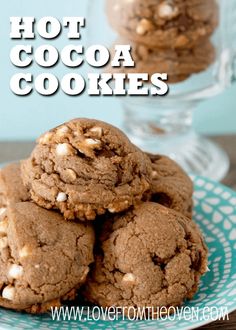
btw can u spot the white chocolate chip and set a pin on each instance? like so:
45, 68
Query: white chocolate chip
97, 130
2, 210
45, 138
37, 266
61, 131
15, 271
24, 252
63, 149
144, 26
3, 227
93, 142
112, 210
61, 197
71, 174
3, 243
8, 292
166, 11
129, 278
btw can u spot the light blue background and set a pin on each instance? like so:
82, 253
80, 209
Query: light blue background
27, 117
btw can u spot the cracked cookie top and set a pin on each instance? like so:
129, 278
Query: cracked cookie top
42, 257
85, 168
150, 256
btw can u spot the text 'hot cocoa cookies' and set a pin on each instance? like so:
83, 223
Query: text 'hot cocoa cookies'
73, 56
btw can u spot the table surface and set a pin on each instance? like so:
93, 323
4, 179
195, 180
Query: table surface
10, 151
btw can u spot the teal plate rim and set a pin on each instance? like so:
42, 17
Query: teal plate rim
215, 213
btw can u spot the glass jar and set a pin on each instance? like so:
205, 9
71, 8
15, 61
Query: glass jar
195, 43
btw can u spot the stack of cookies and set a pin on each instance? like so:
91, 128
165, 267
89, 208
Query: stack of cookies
171, 36
90, 214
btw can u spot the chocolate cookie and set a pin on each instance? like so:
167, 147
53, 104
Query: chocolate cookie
43, 259
179, 64
12, 189
151, 256
164, 23
85, 167
171, 186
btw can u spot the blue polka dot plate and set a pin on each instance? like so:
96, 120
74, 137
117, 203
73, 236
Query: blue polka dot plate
215, 213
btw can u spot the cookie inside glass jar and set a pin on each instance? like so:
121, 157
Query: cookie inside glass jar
172, 36
163, 23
